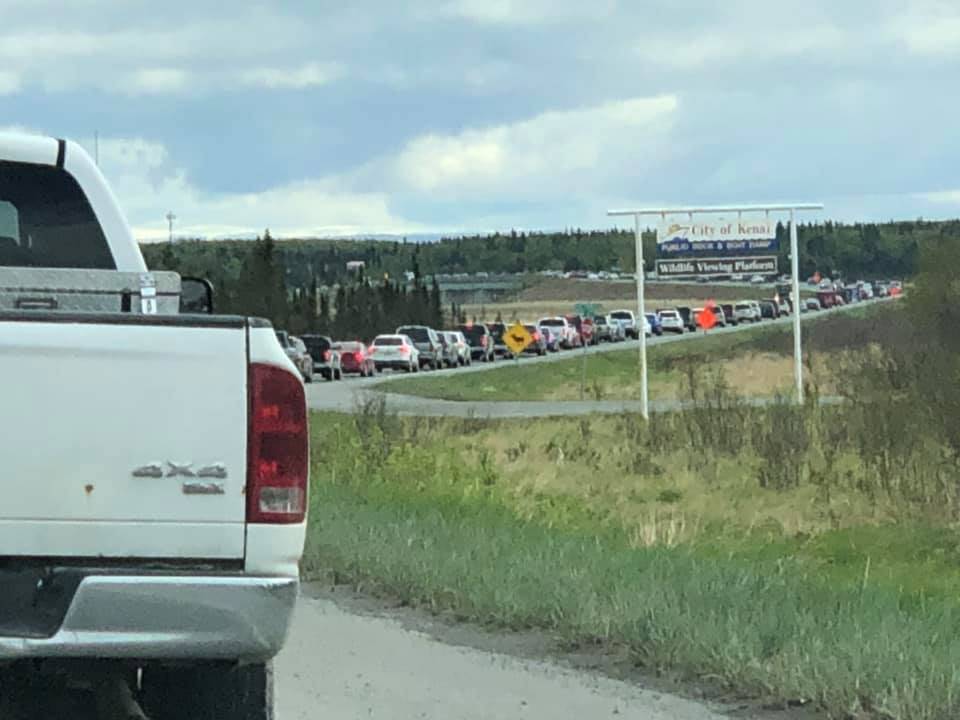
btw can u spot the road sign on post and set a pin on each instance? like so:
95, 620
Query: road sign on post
691, 237
517, 338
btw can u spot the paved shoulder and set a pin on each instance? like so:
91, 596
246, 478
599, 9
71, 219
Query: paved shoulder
341, 665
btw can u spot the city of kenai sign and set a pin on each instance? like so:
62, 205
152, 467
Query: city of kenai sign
724, 237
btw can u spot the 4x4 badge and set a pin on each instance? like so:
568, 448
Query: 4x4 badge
180, 469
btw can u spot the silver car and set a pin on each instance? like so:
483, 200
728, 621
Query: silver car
458, 342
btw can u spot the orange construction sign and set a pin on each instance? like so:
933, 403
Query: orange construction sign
706, 318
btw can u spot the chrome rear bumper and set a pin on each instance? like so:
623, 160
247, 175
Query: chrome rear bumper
168, 617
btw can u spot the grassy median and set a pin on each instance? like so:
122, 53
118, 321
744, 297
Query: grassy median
757, 360
777, 550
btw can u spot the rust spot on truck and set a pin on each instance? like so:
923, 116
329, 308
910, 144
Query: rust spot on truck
88, 489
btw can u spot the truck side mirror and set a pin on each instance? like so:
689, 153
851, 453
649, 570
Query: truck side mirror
196, 296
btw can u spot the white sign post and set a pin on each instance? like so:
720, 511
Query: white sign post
746, 236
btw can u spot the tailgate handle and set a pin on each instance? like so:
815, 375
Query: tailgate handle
36, 303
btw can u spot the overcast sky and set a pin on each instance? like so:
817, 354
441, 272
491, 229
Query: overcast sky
318, 117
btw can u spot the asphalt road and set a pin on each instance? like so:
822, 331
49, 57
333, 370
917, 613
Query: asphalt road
347, 395
347, 663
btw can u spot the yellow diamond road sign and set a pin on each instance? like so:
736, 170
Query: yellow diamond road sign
517, 337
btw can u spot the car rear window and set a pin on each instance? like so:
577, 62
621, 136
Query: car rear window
350, 346
388, 341
416, 334
620, 315
47, 221
552, 322
669, 313
316, 344
473, 332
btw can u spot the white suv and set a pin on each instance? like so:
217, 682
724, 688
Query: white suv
745, 311
627, 320
671, 321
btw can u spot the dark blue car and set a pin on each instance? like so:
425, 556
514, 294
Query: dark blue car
655, 327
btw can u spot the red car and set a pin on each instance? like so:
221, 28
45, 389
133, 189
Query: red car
589, 332
583, 332
356, 358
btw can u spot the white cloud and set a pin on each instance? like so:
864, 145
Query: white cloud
216, 50
310, 75
941, 197
148, 183
9, 82
555, 150
721, 46
155, 81
933, 34
559, 153
523, 12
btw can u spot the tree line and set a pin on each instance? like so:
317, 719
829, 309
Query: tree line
860, 249
255, 279
289, 281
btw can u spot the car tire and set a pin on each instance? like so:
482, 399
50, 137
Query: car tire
339, 374
208, 691
327, 375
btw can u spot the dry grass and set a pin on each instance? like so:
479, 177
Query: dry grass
753, 375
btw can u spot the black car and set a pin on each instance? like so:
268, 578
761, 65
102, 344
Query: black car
689, 321
326, 358
768, 311
498, 330
480, 340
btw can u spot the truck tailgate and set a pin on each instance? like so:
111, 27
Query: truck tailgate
124, 437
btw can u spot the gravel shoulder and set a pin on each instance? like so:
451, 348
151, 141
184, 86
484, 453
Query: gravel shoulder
353, 657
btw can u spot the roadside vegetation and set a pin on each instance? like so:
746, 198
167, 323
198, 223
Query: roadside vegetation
795, 554
756, 362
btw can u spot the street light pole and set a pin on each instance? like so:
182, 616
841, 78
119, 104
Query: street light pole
170, 218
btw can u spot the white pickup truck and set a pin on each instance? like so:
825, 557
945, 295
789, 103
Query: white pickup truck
153, 472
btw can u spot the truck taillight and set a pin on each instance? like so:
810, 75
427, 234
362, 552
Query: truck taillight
277, 447
326, 356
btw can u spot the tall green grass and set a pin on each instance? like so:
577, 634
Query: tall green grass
399, 509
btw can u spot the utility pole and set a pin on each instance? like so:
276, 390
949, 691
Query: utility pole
170, 218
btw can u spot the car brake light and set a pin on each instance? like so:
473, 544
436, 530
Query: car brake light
277, 447
404, 350
326, 356
483, 341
